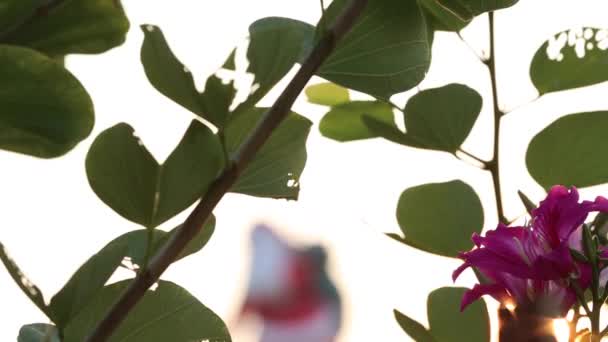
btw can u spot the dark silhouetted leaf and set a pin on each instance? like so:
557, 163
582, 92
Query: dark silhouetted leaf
76, 26
128, 179
15, 12
386, 52
167, 313
571, 59
266, 63
414, 329
448, 324
44, 110
276, 168
440, 217
569, 151
165, 72
28, 288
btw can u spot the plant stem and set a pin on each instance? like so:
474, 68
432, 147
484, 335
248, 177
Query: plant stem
493, 165
196, 220
43, 10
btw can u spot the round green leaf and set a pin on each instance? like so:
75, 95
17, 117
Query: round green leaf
275, 171
165, 72
344, 122
167, 313
571, 59
448, 324
414, 329
76, 26
387, 52
38, 332
442, 118
267, 66
569, 151
129, 180
44, 110
440, 217
327, 94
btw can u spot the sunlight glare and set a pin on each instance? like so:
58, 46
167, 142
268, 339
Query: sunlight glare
561, 330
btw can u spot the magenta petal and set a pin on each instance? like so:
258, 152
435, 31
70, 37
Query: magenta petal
554, 265
494, 290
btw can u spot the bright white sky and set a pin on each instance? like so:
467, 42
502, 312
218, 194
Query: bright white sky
52, 221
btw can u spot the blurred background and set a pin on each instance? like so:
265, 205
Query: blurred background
52, 221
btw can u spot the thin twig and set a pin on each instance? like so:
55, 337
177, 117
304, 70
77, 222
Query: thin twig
43, 10
493, 165
482, 162
473, 51
193, 224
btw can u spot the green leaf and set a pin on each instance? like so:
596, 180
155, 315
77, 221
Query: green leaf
38, 332
168, 313
126, 177
414, 329
86, 283
136, 242
216, 100
466, 10
44, 110
442, 118
91, 277
387, 51
327, 94
569, 151
75, 26
344, 122
165, 72
440, 217
27, 287
571, 59
14, 12
448, 324
275, 171
441, 17
266, 63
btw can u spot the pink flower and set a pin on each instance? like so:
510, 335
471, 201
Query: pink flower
531, 265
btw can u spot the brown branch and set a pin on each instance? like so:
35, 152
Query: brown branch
193, 224
41, 11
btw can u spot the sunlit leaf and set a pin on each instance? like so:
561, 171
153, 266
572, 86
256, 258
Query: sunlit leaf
327, 94
386, 52
275, 171
26, 286
414, 329
76, 26
448, 324
129, 180
44, 110
269, 63
167, 313
569, 151
38, 332
440, 217
344, 122
571, 59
